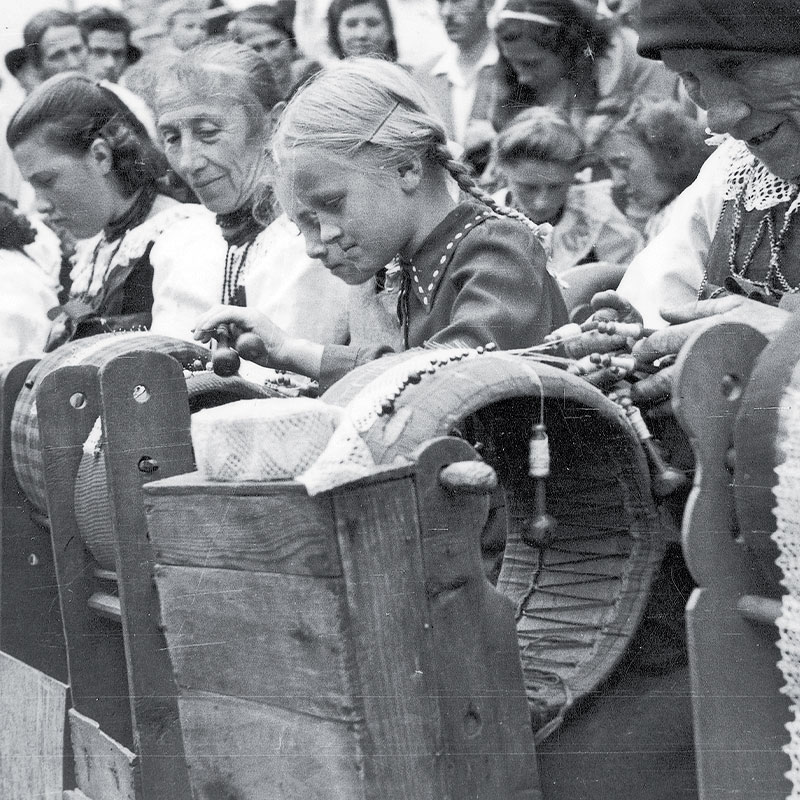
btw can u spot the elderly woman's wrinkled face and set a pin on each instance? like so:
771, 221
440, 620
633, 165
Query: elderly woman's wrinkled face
534, 65
754, 97
214, 145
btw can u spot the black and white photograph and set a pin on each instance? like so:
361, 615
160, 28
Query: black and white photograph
400, 400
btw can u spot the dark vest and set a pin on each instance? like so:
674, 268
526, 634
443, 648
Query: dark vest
751, 274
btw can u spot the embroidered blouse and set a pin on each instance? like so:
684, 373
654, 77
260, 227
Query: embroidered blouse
733, 229
477, 278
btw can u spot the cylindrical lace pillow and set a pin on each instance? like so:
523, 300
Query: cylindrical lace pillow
261, 440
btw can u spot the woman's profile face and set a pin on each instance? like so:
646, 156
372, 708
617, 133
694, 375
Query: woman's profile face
75, 192
754, 97
363, 31
533, 64
213, 145
637, 187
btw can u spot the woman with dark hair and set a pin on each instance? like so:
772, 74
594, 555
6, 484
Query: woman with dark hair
97, 175
269, 31
214, 109
559, 53
361, 28
654, 154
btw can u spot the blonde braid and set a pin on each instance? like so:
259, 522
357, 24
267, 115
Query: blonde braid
462, 175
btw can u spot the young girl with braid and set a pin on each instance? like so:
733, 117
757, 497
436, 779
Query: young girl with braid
361, 164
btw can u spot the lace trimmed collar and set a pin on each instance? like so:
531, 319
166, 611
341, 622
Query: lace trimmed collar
746, 174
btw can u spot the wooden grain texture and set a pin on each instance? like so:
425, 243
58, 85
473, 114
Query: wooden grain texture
286, 532
146, 414
275, 639
391, 639
95, 648
32, 709
739, 713
487, 745
104, 769
28, 589
250, 751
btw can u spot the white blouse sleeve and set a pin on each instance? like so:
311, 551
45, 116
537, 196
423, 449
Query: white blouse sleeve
296, 292
669, 271
188, 260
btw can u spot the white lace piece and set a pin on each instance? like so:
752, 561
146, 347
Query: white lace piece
762, 189
787, 537
347, 455
261, 440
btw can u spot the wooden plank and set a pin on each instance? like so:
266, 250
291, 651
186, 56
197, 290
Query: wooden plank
103, 767
738, 711
96, 656
32, 713
287, 532
249, 751
275, 639
391, 639
28, 590
487, 743
146, 414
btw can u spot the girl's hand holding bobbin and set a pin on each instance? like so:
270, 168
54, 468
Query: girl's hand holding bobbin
244, 321
276, 348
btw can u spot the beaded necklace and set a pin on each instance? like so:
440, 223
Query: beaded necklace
239, 229
777, 244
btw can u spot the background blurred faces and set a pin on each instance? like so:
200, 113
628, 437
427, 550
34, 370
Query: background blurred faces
363, 30
271, 44
108, 55
535, 65
62, 49
188, 28
464, 20
539, 188
637, 188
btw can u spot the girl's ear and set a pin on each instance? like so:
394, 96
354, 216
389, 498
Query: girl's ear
102, 155
410, 175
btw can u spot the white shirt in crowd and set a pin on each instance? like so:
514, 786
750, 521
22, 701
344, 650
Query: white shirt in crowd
463, 85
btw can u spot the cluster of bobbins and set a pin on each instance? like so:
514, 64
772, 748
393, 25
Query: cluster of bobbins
614, 371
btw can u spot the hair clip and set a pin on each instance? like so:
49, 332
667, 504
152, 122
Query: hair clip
382, 122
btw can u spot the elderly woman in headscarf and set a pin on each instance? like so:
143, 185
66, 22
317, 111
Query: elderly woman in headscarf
733, 240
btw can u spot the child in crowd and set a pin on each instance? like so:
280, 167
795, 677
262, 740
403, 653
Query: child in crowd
362, 166
538, 153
